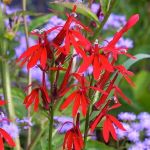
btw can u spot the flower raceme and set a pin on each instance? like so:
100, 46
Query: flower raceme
53, 55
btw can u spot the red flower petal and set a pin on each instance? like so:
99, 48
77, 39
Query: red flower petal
68, 100
1, 143
43, 58
76, 104
116, 122
106, 130
8, 138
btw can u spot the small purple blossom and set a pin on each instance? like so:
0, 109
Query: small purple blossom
54, 21
26, 123
12, 129
63, 123
138, 146
127, 116
133, 136
123, 42
143, 116
115, 21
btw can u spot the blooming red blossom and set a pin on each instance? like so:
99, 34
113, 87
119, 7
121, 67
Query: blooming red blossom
71, 36
98, 61
73, 138
109, 121
121, 69
108, 127
111, 46
79, 97
33, 97
4, 135
39, 52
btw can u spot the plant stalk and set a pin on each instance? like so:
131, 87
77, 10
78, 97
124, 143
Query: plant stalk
6, 85
51, 120
24, 4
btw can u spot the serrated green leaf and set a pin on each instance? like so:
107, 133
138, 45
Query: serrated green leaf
95, 145
81, 9
39, 21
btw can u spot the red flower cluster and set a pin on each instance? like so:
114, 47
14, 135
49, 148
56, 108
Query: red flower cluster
54, 55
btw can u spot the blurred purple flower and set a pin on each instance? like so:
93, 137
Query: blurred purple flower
147, 143
127, 116
54, 21
22, 44
63, 123
12, 129
138, 146
25, 122
143, 116
136, 126
133, 136
96, 9
115, 21
123, 42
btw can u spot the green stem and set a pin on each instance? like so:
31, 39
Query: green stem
6, 83
51, 127
87, 119
98, 30
24, 4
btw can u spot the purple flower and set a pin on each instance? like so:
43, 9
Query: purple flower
133, 136
127, 116
22, 46
25, 122
138, 146
147, 142
115, 21
123, 42
63, 123
95, 7
143, 116
136, 126
12, 129
54, 21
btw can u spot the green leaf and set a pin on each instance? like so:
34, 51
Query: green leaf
141, 91
39, 21
131, 62
81, 9
104, 5
95, 145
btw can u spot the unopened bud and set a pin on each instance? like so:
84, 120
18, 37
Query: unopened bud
7, 2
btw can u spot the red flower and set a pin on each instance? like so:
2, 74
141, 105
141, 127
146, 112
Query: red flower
4, 135
79, 97
108, 127
71, 37
121, 69
33, 97
39, 52
109, 121
111, 47
2, 102
73, 139
99, 61
104, 97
